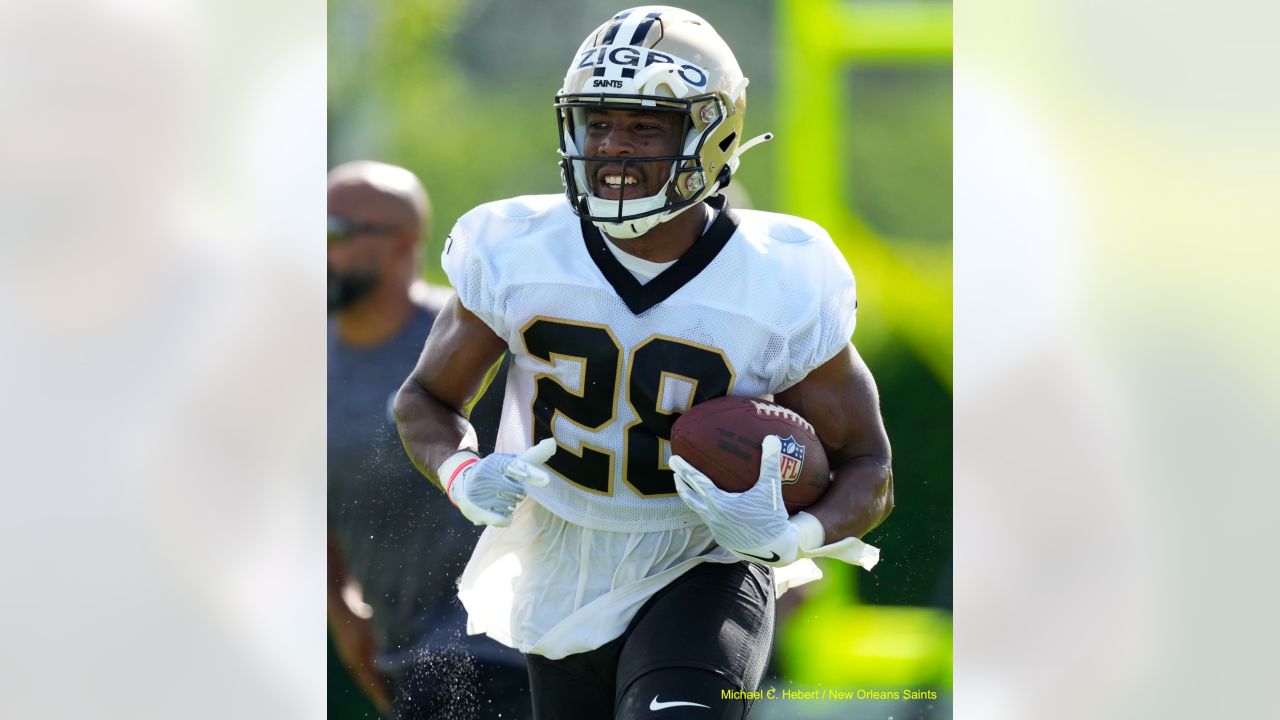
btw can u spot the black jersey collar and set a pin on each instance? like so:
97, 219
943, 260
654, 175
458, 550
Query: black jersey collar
699, 255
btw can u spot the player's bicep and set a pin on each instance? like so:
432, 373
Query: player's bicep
840, 399
459, 351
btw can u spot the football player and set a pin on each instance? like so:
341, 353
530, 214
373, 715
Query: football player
635, 587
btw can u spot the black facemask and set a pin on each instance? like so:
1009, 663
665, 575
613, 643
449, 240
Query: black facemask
348, 288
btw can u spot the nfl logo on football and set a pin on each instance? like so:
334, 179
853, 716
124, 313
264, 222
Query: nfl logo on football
792, 460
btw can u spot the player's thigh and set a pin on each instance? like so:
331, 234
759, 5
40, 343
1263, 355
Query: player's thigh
578, 686
717, 619
680, 694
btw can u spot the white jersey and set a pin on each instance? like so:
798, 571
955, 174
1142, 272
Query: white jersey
604, 365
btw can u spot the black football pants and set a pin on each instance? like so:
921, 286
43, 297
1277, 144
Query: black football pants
706, 634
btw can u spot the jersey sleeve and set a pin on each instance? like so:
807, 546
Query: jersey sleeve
829, 324
466, 260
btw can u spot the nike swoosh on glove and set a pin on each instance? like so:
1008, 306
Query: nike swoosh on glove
487, 489
753, 524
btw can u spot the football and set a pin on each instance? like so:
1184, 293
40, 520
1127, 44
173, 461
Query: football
722, 437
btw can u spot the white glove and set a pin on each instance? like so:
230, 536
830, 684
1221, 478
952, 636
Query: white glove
487, 490
753, 524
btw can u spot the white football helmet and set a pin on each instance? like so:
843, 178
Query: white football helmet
660, 58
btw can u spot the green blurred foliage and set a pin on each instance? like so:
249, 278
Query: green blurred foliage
916, 540
899, 150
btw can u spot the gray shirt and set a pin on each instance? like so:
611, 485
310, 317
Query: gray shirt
399, 536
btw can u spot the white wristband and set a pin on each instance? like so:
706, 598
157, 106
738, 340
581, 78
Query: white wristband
450, 466
811, 531
850, 550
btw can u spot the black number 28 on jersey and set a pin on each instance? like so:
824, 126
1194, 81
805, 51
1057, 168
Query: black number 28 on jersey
651, 365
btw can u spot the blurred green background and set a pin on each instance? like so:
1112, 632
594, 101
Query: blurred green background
859, 95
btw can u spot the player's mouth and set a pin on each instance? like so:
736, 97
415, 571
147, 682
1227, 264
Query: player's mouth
613, 182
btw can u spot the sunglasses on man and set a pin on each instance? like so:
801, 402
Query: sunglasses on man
342, 229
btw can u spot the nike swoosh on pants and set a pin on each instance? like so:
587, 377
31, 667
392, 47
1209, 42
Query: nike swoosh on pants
654, 704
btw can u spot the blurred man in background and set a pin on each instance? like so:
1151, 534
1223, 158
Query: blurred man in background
395, 546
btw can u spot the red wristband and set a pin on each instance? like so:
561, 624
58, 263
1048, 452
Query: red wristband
449, 486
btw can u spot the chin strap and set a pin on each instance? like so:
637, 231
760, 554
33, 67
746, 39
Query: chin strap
734, 160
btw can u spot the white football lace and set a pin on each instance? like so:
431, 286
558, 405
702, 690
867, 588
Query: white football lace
767, 409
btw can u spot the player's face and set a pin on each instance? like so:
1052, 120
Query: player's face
626, 134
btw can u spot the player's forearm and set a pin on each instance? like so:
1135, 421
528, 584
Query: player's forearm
430, 430
859, 499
